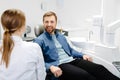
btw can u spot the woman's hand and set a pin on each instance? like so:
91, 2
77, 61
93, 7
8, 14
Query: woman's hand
56, 71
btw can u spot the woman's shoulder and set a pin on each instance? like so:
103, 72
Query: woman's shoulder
30, 44
32, 47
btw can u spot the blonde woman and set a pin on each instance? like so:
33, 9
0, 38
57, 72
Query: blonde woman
19, 60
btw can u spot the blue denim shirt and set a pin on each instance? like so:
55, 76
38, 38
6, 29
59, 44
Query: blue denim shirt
49, 49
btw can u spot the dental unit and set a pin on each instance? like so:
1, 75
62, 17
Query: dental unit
106, 53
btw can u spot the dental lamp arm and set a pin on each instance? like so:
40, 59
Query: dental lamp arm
110, 33
113, 26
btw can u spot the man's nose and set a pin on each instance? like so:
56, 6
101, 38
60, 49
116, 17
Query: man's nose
49, 24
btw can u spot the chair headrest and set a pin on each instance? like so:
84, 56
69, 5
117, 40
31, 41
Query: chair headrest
39, 29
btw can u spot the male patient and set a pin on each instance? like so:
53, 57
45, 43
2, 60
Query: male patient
62, 61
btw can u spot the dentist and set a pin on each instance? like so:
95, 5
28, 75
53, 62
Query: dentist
19, 60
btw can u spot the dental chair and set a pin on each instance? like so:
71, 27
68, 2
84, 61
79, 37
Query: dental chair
39, 29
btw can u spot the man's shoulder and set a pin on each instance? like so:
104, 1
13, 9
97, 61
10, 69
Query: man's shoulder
38, 39
40, 36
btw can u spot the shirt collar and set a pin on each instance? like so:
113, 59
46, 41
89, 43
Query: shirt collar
56, 33
16, 38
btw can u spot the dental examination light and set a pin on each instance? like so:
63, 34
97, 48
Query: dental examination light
26, 37
110, 32
27, 31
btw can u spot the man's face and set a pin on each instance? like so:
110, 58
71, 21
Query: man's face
50, 24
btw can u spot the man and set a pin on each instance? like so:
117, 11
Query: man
64, 62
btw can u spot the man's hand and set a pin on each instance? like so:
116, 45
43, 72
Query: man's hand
86, 57
56, 71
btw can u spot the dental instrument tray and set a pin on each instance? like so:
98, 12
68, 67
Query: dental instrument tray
117, 65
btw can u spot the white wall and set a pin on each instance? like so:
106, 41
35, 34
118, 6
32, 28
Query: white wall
76, 16
32, 9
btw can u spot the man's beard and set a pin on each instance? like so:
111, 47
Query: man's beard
50, 32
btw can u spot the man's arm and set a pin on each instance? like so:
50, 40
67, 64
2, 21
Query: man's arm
79, 50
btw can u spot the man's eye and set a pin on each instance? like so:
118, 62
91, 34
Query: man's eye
52, 21
46, 21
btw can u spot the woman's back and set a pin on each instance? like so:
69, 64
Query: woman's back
26, 62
